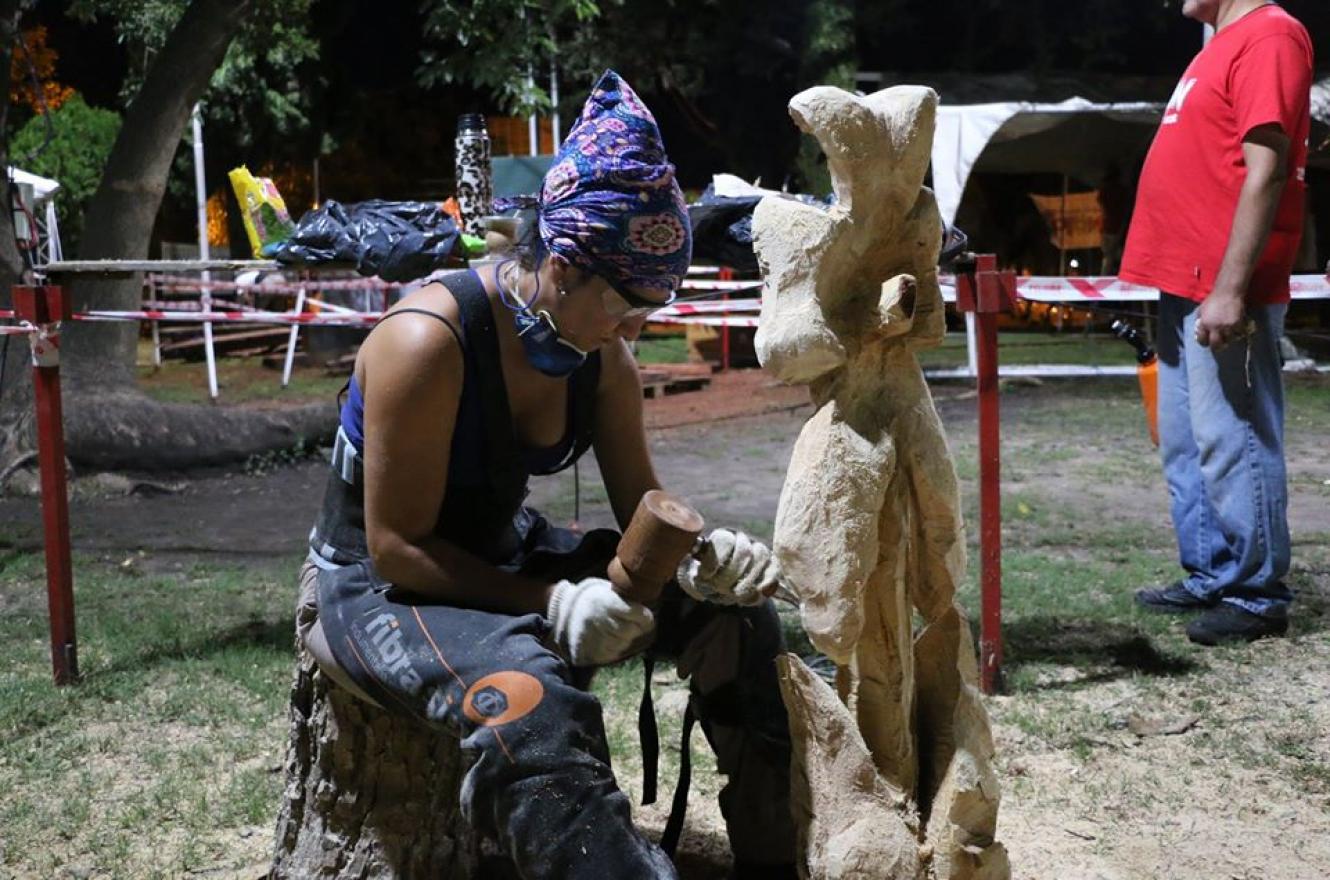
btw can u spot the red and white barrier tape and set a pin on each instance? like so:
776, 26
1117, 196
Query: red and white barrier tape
704, 320
44, 340
173, 282
194, 305
708, 314
720, 286
698, 308
177, 283
354, 319
1057, 289
304, 319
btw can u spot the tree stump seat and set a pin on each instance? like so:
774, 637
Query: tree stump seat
369, 794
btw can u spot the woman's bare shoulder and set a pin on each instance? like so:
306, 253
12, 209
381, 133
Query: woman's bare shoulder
411, 338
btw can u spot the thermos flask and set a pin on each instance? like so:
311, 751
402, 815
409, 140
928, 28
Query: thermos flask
475, 176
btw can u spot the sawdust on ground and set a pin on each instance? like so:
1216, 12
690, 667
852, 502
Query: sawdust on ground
1244, 792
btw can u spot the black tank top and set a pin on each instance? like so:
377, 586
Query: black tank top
488, 469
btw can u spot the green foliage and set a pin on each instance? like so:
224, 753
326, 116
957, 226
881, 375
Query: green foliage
259, 82
492, 44
81, 140
662, 350
243, 380
260, 98
722, 71
829, 59
264, 463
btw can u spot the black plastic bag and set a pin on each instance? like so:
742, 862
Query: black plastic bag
723, 231
397, 241
723, 227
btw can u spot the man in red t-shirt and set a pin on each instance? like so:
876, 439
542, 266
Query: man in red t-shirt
1216, 227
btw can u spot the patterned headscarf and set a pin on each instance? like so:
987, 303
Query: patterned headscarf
609, 203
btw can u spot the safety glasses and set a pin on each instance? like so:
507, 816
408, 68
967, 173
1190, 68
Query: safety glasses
624, 304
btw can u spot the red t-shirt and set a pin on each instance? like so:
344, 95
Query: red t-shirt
1255, 71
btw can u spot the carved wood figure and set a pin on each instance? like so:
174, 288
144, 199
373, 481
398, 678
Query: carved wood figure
893, 770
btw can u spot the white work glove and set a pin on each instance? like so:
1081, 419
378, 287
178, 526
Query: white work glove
593, 625
730, 569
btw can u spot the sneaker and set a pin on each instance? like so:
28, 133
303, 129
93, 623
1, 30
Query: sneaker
1173, 599
1229, 623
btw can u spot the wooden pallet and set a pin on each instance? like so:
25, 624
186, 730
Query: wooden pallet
341, 366
276, 360
659, 380
227, 343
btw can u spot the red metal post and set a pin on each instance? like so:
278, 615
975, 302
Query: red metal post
725, 274
982, 289
990, 505
44, 307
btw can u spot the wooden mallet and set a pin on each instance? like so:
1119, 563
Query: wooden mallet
662, 532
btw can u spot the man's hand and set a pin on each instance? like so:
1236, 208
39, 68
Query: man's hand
593, 625
730, 569
1221, 319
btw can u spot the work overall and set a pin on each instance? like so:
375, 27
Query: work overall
540, 781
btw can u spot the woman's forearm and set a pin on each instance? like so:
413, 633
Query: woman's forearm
438, 569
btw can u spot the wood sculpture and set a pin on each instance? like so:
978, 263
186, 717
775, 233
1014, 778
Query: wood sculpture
893, 769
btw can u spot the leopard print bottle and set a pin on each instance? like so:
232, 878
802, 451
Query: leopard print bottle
475, 177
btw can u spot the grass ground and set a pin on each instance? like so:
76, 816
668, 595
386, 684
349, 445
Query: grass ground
164, 761
1033, 347
238, 381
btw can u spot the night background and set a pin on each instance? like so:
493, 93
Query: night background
717, 76
946, 494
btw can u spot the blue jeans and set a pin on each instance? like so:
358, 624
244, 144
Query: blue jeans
1221, 437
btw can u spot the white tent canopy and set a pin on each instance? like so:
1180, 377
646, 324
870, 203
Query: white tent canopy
1075, 137
42, 187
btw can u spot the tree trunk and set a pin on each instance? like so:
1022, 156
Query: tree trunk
106, 424
119, 223
369, 794
124, 430
119, 220
15, 366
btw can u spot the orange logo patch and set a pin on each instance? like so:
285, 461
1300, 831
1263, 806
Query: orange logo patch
502, 697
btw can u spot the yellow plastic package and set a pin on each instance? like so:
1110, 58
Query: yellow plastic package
266, 219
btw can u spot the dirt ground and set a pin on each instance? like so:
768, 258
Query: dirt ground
1242, 792
264, 509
